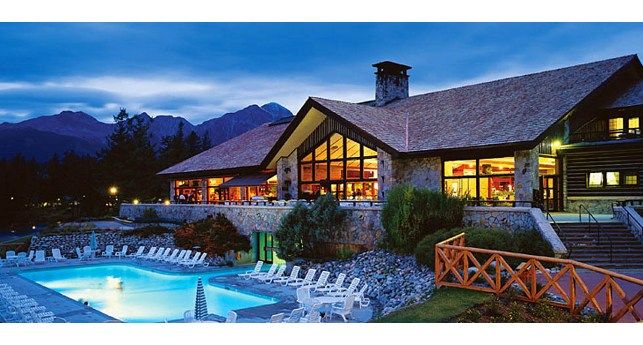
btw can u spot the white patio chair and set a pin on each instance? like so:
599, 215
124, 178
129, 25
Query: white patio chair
295, 315
343, 309
303, 296
171, 256
200, 261
163, 255
294, 275
277, 318
361, 298
260, 275
87, 252
280, 273
40, 257
308, 279
122, 253
257, 269
232, 317
56, 255
109, 251
336, 286
138, 253
343, 292
79, 254
178, 257
150, 254
188, 261
321, 281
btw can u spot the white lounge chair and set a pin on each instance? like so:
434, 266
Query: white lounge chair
87, 252
123, 252
313, 315
271, 271
150, 254
109, 251
188, 316
40, 257
361, 298
232, 317
79, 254
342, 292
138, 253
163, 255
321, 281
294, 275
56, 256
277, 318
280, 273
178, 257
295, 315
257, 269
200, 262
185, 257
310, 275
171, 256
157, 255
188, 261
303, 296
23, 259
343, 309
336, 286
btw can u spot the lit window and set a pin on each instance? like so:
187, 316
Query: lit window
612, 178
616, 127
497, 166
633, 125
631, 179
460, 168
595, 180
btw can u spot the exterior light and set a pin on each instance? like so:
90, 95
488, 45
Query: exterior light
113, 190
11, 198
166, 202
555, 144
33, 227
135, 202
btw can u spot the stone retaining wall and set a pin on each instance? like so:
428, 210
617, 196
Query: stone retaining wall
364, 221
633, 222
515, 219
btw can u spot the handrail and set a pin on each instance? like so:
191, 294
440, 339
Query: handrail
629, 215
560, 233
495, 275
599, 229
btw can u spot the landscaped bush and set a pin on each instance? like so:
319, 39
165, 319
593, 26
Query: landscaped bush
306, 232
527, 241
410, 214
214, 236
148, 231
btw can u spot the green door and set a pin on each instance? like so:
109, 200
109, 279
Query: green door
266, 248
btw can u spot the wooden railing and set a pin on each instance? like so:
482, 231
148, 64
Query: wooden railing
532, 280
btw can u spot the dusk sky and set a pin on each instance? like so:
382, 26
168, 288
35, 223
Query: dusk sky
200, 71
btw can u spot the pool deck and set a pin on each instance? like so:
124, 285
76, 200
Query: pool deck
74, 311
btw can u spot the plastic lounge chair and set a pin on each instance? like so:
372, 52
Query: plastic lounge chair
187, 261
23, 259
185, 257
280, 273
163, 255
200, 261
294, 275
56, 256
87, 252
295, 315
336, 286
138, 253
178, 257
109, 251
40, 257
308, 279
157, 255
149, 254
342, 292
303, 296
232, 317
79, 254
313, 315
270, 272
277, 318
257, 269
361, 298
122, 253
343, 309
188, 316
171, 256
321, 281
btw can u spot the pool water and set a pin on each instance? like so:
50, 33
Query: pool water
135, 294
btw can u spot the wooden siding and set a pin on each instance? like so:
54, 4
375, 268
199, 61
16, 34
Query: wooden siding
580, 162
325, 129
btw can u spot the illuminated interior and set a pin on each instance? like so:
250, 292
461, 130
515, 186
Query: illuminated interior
339, 165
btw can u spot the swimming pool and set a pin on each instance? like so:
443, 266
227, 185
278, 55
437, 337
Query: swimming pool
142, 295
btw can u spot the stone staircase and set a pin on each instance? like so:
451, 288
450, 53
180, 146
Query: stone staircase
627, 251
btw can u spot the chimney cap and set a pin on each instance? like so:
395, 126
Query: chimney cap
391, 67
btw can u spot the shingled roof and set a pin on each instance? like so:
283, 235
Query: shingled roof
505, 111
247, 150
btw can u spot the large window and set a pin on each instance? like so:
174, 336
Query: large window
606, 179
339, 165
188, 191
624, 127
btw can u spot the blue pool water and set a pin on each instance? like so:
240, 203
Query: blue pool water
143, 295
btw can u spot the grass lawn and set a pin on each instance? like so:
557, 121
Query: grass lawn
445, 304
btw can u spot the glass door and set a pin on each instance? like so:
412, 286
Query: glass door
550, 193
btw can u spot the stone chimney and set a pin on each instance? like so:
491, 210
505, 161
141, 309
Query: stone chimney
391, 83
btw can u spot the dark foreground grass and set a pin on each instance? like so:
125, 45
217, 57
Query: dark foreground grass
443, 306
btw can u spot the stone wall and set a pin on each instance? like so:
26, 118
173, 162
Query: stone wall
596, 206
385, 178
526, 175
419, 172
631, 218
288, 177
364, 227
515, 219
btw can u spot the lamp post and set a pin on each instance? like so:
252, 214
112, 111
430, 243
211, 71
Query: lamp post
113, 191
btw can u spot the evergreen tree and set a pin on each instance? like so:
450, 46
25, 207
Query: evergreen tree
193, 145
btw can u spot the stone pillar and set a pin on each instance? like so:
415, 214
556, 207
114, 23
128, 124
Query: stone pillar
171, 190
385, 179
526, 175
419, 172
204, 190
287, 177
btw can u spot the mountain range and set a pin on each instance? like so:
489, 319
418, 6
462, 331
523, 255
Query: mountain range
44, 136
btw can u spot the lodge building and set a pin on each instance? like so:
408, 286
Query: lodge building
555, 139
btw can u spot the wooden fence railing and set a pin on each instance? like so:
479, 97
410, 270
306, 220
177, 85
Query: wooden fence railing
488, 270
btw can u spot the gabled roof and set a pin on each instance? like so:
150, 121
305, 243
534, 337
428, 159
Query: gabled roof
247, 150
632, 97
506, 111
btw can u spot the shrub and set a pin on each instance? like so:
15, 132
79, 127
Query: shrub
495, 239
410, 214
215, 236
306, 232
